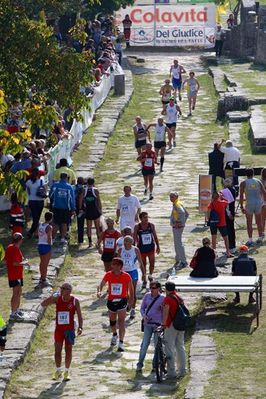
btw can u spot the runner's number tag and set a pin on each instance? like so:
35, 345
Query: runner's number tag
63, 318
148, 162
116, 289
146, 239
109, 243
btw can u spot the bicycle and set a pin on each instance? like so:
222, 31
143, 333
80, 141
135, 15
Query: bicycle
159, 355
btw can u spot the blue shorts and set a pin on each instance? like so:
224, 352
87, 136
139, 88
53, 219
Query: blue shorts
134, 275
177, 83
44, 249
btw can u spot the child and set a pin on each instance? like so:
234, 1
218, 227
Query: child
17, 218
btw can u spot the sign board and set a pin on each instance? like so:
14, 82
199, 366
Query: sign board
205, 192
171, 25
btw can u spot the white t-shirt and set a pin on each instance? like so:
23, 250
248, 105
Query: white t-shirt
231, 154
128, 207
160, 132
171, 114
33, 187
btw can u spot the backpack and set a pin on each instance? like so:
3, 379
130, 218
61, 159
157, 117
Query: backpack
182, 318
213, 219
41, 191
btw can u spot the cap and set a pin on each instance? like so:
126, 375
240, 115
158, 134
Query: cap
127, 228
172, 98
17, 236
243, 248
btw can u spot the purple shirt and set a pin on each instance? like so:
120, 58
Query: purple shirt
155, 314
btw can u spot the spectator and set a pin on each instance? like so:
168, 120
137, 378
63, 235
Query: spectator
219, 205
14, 261
4, 158
17, 219
67, 117
229, 193
263, 214
45, 247
231, 159
174, 339
127, 23
22, 164
203, 261
36, 199
62, 199
178, 220
244, 265
216, 169
231, 22
3, 334
79, 188
152, 316
98, 75
63, 168
119, 50
219, 40
13, 123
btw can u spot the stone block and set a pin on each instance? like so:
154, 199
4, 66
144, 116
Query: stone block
119, 84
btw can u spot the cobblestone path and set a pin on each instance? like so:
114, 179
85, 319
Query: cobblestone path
97, 371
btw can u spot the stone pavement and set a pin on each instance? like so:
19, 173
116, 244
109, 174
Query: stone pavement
97, 371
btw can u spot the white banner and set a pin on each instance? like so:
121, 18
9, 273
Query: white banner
171, 25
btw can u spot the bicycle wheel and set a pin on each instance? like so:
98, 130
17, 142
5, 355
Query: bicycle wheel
159, 362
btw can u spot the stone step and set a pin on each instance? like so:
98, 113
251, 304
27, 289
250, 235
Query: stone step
257, 128
238, 116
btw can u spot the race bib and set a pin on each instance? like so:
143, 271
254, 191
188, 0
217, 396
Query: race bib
116, 289
146, 239
125, 209
109, 243
63, 318
148, 162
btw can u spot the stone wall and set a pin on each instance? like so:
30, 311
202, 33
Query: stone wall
260, 56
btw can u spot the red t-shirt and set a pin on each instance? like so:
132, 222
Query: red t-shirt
148, 160
117, 285
13, 254
219, 206
40, 173
109, 240
65, 312
173, 305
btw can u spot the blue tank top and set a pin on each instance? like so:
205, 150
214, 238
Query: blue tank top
146, 239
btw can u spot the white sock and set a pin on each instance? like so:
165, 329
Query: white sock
58, 368
66, 369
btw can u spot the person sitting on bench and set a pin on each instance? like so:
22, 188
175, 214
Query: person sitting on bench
203, 261
244, 265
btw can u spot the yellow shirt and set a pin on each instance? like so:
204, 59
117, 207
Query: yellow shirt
178, 213
64, 169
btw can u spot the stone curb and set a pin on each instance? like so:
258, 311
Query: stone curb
21, 334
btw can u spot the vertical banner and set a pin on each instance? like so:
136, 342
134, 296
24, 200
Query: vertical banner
205, 192
191, 25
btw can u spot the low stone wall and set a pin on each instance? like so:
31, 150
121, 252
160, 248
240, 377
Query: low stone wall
260, 56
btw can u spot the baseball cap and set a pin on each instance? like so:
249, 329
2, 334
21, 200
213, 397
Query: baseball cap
243, 248
172, 98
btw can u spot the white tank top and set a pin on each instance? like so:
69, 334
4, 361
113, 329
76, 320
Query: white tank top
176, 72
129, 258
171, 114
43, 239
160, 132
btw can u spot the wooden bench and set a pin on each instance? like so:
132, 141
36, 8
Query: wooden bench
185, 283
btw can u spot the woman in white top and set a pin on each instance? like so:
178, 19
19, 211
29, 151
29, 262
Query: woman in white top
160, 139
192, 91
172, 112
131, 259
36, 202
45, 247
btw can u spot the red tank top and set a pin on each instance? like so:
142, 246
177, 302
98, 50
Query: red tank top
109, 240
65, 312
148, 160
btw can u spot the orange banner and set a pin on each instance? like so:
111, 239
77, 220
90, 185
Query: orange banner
205, 192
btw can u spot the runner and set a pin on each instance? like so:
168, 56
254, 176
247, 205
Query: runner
172, 112
145, 237
166, 91
108, 238
93, 208
176, 71
140, 133
120, 295
66, 307
148, 159
127, 231
192, 91
45, 233
159, 139
128, 209
255, 194
131, 258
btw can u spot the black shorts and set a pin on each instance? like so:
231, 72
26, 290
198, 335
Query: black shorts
92, 214
107, 256
159, 144
116, 305
15, 283
140, 143
61, 216
148, 172
169, 125
222, 229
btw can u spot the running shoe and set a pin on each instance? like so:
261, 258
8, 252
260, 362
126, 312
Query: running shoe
132, 313
114, 340
250, 243
189, 114
174, 143
139, 369
161, 169
16, 317
63, 241
151, 197
144, 284
121, 347
145, 191
67, 376
193, 107
259, 240
150, 278
57, 375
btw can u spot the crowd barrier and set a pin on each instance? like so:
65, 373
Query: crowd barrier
65, 147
